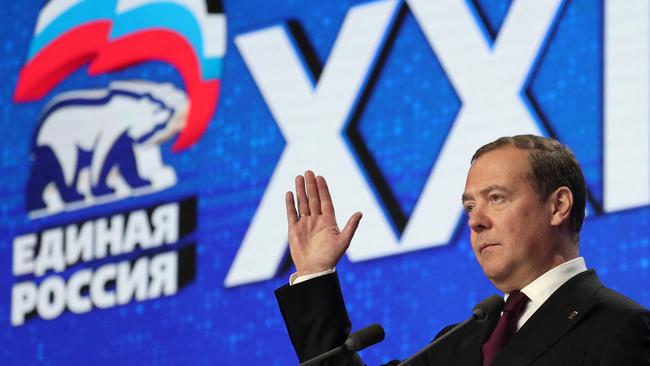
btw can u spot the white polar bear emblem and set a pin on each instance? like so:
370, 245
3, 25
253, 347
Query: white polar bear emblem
102, 144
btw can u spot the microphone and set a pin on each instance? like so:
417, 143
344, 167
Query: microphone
488, 307
365, 337
357, 341
483, 311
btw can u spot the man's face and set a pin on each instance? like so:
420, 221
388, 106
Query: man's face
510, 226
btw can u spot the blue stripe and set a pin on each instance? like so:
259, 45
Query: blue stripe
170, 16
84, 12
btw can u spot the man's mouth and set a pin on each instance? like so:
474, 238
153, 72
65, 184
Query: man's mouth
484, 246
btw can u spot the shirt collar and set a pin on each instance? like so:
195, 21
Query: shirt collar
545, 285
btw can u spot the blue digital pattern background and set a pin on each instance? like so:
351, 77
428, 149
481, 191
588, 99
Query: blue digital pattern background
403, 126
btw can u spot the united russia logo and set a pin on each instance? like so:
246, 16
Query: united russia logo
98, 144
130, 116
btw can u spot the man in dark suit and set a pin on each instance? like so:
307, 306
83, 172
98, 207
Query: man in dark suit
525, 199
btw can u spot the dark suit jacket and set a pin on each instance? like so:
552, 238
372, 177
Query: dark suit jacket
608, 329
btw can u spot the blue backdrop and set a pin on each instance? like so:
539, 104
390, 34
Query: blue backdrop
395, 135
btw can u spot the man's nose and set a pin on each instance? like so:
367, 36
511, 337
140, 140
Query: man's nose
478, 219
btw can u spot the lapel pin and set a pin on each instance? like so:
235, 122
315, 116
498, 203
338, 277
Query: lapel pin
573, 315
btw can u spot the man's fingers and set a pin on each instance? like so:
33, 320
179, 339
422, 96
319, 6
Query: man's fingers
292, 216
303, 202
312, 193
326, 205
351, 226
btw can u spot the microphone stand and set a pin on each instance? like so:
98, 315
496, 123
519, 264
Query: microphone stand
435, 342
357, 341
488, 307
322, 356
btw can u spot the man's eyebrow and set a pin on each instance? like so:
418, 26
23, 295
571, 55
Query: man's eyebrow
484, 191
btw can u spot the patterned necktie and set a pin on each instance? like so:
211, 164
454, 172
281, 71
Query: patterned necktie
506, 327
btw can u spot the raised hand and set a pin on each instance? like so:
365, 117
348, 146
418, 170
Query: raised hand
315, 241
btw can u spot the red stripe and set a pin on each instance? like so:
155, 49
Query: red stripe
170, 47
59, 59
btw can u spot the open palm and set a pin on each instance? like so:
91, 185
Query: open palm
315, 241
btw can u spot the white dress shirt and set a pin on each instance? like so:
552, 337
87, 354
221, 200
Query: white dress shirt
545, 285
295, 279
537, 291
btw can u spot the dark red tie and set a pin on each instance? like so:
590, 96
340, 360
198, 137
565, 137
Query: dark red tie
506, 327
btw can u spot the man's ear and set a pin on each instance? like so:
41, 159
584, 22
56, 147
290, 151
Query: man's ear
561, 202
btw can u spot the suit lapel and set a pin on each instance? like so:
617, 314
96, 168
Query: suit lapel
472, 341
467, 347
562, 311
462, 348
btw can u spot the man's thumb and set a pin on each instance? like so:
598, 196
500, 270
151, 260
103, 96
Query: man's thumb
351, 226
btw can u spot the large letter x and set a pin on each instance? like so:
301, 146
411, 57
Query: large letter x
312, 120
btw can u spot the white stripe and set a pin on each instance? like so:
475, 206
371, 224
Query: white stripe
213, 26
51, 11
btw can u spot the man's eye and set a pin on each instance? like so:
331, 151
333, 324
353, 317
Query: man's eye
496, 198
469, 208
